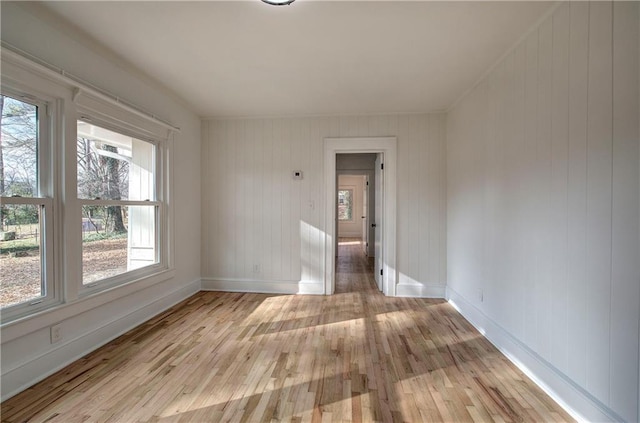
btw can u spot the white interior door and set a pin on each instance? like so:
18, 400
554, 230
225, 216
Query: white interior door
379, 183
371, 215
365, 214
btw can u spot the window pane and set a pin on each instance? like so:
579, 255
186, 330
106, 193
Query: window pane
113, 166
18, 148
20, 254
345, 209
117, 239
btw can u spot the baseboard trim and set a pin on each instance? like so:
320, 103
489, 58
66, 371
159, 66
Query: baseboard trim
262, 287
28, 373
421, 291
573, 398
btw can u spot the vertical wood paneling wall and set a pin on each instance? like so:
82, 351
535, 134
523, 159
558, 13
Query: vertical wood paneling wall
543, 198
256, 216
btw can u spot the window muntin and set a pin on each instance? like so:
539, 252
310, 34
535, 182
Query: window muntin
345, 204
117, 180
26, 205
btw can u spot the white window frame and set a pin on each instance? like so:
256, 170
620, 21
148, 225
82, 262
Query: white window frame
68, 98
351, 195
46, 198
161, 227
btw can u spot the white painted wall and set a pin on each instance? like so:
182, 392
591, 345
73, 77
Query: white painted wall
27, 354
542, 206
255, 214
352, 228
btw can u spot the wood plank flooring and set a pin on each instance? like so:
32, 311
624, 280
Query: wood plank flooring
352, 357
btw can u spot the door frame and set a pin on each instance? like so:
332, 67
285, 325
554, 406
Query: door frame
388, 147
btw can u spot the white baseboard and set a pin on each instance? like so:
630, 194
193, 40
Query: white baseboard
263, 287
573, 398
420, 291
26, 374
310, 288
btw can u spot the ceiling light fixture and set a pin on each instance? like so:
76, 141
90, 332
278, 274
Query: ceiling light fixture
279, 2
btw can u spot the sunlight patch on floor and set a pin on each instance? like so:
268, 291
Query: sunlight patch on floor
349, 242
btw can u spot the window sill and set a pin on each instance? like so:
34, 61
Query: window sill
62, 311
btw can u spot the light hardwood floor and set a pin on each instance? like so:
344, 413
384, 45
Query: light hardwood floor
352, 357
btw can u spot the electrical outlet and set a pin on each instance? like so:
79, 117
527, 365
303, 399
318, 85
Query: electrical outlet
56, 333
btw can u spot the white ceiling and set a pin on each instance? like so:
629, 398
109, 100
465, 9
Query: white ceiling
245, 58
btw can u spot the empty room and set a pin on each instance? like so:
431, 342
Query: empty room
320, 211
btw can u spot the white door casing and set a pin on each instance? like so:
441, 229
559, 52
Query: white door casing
387, 146
365, 213
378, 237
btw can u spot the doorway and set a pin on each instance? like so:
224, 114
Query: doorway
354, 270
355, 216
384, 148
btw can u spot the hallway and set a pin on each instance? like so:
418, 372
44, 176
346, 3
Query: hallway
354, 270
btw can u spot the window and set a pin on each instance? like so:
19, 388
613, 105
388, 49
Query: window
345, 204
117, 180
26, 205
83, 193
